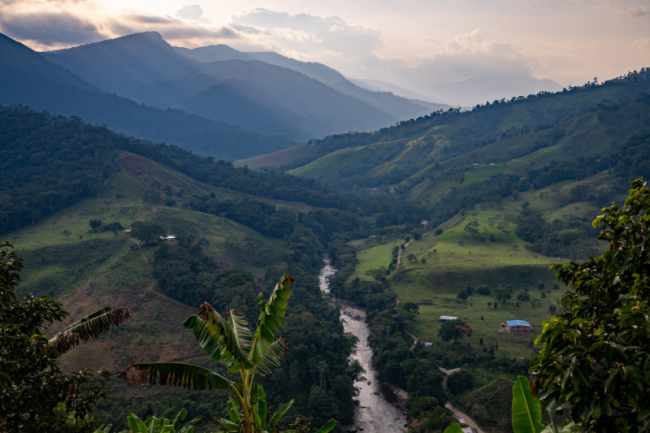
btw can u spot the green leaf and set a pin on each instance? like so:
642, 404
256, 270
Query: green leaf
214, 337
233, 411
273, 357
229, 425
526, 410
329, 426
454, 428
176, 374
135, 424
279, 414
270, 317
240, 338
261, 406
179, 417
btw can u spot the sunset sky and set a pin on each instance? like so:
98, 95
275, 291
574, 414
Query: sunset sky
567, 41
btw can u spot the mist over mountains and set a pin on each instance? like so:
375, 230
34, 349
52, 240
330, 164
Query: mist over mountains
215, 100
293, 99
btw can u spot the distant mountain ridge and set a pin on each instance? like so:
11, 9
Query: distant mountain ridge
308, 100
385, 101
28, 78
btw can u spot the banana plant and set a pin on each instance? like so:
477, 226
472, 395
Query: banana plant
160, 425
267, 423
527, 412
228, 340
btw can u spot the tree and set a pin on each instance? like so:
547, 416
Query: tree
95, 224
455, 330
411, 258
67, 234
114, 227
472, 228
462, 295
148, 232
603, 340
552, 309
501, 294
35, 396
417, 235
229, 340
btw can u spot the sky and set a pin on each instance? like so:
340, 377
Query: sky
398, 41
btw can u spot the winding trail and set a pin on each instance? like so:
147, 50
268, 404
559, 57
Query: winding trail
457, 414
399, 254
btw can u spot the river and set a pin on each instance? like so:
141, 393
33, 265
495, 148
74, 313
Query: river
374, 414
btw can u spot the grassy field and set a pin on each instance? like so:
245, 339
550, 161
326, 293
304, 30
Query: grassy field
374, 257
276, 159
454, 260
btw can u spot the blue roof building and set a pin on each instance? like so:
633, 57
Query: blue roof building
519, 327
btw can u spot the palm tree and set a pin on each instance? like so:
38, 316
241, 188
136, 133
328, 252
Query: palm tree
229, 340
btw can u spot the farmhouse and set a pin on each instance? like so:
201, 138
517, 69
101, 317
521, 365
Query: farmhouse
519, 327
446, 318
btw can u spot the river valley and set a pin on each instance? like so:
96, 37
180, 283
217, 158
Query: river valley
374, 414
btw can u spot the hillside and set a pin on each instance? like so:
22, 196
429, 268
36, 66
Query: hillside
407, 155
271, 99
118, 65
508, 189
27, 78
385, 101
229, 247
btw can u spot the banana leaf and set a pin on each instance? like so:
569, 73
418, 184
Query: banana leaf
273, 357
87, 328
270, 318
526, 410
176, 374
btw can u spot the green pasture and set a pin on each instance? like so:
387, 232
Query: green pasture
374, 257
456, 259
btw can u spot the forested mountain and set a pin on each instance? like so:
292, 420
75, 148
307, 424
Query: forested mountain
451, 162
385, 101
317, 108
143, 67
70, 186
26, 77
119, 65
496, 132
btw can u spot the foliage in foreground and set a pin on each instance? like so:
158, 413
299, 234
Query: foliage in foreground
595, 356
35, 396
228, 340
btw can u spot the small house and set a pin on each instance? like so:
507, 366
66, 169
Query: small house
447, 318
519, 327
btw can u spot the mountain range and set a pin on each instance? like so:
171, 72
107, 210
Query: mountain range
28, 78
272, 94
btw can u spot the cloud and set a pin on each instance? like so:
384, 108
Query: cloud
171, 29
49, 28
312, 34
55, 24
190, 12
620, 6
639, 10
641, 43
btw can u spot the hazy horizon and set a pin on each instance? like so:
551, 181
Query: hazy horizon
417, 45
